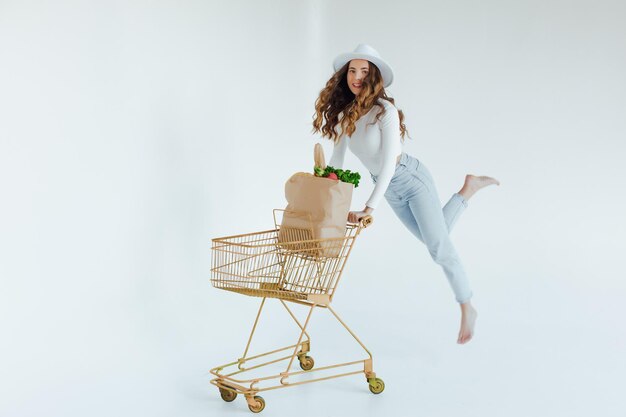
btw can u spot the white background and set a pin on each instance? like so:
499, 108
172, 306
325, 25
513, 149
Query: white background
131, 133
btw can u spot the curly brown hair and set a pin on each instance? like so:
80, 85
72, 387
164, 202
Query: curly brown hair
336, 97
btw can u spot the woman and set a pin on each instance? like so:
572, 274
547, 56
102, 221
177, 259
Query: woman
354, 111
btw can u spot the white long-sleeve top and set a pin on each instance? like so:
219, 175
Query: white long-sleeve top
376, 145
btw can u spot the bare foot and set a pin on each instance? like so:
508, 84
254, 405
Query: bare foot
468, 319
474, 183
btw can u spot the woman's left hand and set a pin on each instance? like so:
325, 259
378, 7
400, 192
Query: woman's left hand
355, 216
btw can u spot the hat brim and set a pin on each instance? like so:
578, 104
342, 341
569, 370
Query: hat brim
385, 70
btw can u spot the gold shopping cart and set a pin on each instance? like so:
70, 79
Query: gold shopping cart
286, 264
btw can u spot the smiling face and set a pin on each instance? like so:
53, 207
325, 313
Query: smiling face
357, 70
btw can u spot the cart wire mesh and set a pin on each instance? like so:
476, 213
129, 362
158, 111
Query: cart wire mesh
282, 263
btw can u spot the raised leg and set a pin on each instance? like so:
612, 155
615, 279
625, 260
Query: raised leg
475, 183
453, 209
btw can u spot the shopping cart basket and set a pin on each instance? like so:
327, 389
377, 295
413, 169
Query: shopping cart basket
291, 266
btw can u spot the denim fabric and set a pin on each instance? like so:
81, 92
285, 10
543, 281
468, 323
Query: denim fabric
413, 197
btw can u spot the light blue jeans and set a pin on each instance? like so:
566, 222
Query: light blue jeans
413, 197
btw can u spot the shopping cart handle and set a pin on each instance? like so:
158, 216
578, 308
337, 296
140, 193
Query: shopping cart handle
365, 221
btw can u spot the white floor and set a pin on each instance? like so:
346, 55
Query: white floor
535, 353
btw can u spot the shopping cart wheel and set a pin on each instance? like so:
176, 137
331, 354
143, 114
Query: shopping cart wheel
376, 385
306, 363
260, 404
228, 395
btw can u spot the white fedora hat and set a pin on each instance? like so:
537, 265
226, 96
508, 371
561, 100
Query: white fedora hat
364, 51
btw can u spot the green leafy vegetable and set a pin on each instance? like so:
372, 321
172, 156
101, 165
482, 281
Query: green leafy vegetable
319, 172
343, 175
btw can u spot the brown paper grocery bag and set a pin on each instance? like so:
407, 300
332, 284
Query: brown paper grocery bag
317, 207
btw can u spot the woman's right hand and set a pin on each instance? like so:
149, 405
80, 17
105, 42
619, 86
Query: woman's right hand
355, 216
